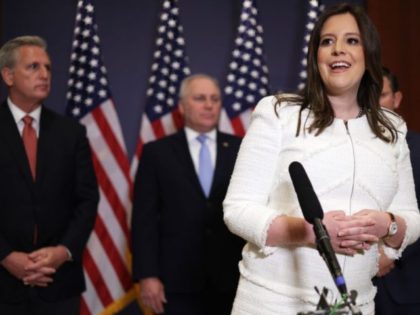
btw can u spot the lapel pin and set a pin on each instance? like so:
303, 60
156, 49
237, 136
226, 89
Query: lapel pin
225, 144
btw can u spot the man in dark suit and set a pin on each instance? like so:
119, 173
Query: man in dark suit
48, 190
398, 281
185, 259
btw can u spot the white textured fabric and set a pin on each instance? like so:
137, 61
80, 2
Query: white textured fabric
252, 299
350, 170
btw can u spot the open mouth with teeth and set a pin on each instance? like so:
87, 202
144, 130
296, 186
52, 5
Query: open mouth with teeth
340, 65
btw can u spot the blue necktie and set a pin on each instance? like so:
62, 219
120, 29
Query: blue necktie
205, 168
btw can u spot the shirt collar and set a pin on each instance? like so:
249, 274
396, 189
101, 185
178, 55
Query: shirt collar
192, 134
18, 114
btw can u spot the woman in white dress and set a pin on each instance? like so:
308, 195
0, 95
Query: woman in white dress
357, 159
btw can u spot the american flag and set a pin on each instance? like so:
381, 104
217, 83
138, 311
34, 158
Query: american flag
89, 100
247, 81
314, 9
170, 66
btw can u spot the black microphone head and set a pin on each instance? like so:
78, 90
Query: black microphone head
307, 198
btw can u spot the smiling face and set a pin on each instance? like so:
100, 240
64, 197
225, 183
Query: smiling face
29, 79
200, 105
340, 58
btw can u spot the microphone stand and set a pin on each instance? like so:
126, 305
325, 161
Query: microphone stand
345, 307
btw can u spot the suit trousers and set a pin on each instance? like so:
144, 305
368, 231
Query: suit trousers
34, 306
206, 302
385, 304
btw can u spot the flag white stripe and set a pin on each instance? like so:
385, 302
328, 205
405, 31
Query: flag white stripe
146, 133
245, 118
114, 230
92, 300
133, 167
108, 273
106, 158
108, 109
168, 124
224, 123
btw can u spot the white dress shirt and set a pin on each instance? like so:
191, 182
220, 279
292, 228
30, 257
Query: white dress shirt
194, 145
18, 115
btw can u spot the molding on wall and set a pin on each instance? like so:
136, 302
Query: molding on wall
398, 24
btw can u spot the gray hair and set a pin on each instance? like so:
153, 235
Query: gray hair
186, 82
9, 51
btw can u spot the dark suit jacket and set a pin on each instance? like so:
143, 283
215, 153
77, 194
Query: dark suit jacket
403, 282
62, 201
178, 234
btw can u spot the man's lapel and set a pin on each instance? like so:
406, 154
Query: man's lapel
45, 146
9, 134
222, 155
183, 155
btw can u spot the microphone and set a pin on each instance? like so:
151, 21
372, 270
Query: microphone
313, 213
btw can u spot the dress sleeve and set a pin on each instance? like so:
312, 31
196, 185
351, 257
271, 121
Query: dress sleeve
404, 203
246, 211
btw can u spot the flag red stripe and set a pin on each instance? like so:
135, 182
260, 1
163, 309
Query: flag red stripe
110, 194
83, 307
237, 126
100, 229
158, 129
113, 254
139, 148
177, 118
109, 136
96, 279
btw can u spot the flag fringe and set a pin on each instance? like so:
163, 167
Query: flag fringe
120, 304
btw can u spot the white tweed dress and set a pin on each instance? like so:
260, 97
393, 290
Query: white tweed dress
350, 170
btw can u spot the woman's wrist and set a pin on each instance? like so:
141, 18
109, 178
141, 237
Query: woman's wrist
309, 234
392, 226
395, 237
